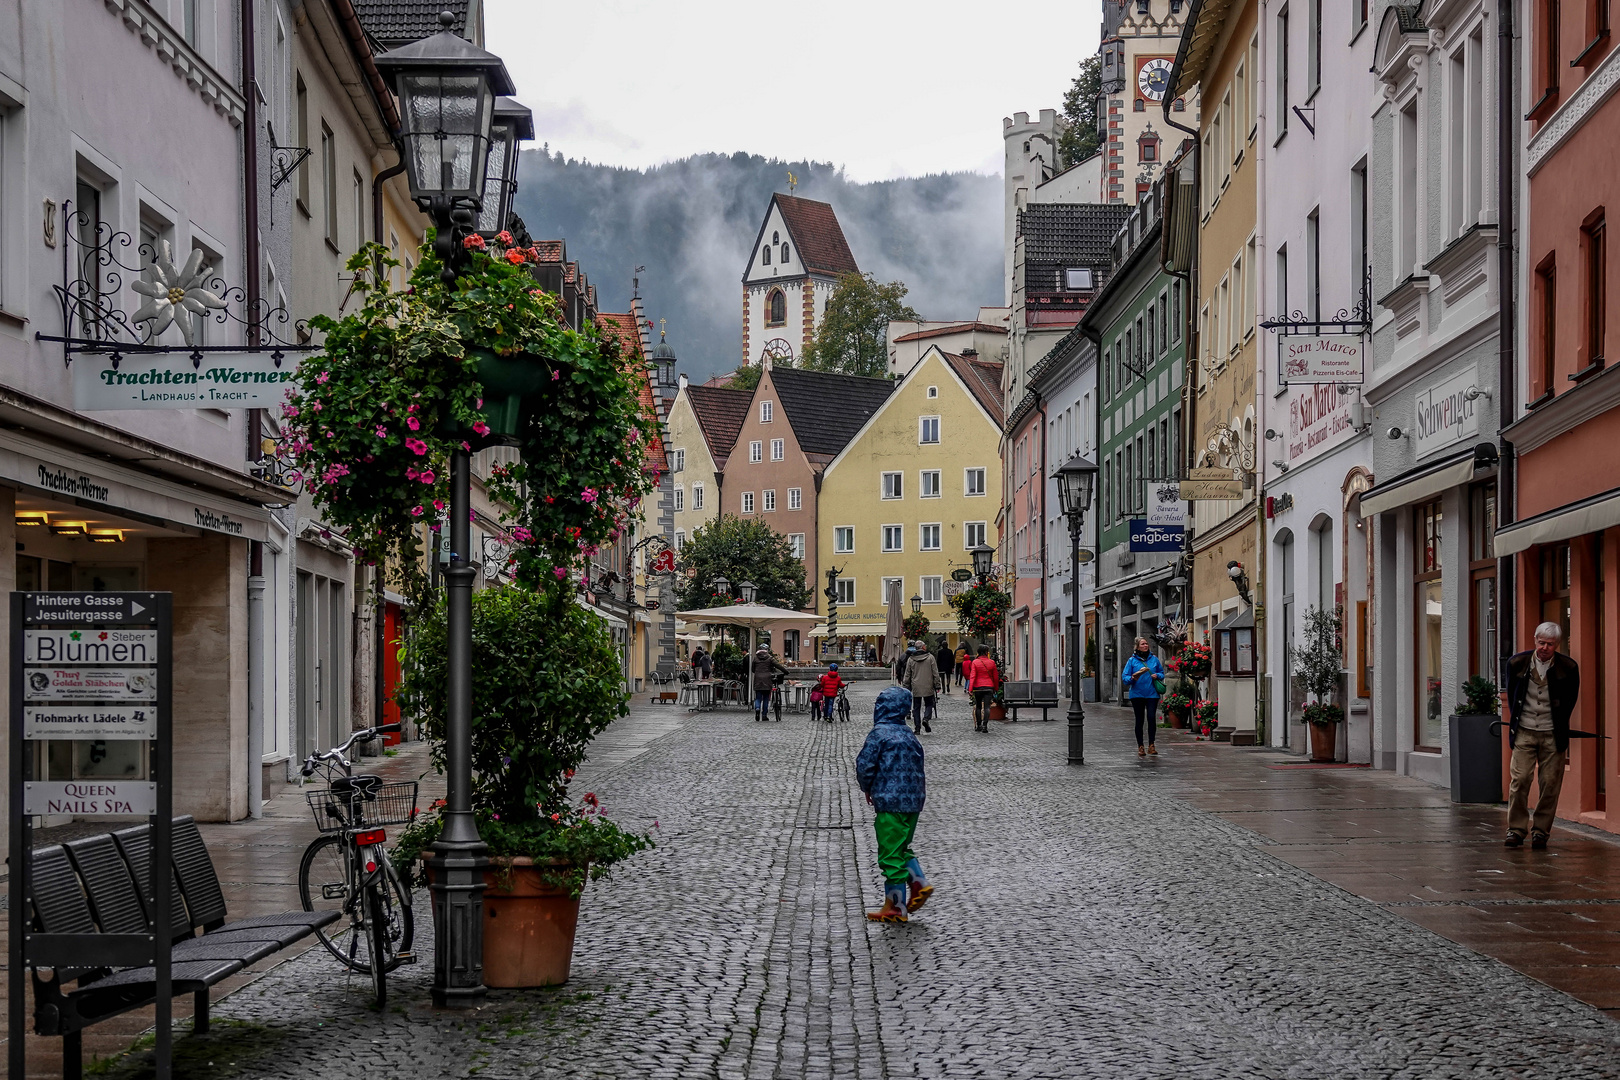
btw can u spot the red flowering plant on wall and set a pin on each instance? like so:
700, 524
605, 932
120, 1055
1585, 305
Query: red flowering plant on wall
914, 626
1193, 661
981, 610
398, 387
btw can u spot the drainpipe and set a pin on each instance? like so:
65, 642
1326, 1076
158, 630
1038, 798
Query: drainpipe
255, 419
1507, 320
1039, 618
379, 619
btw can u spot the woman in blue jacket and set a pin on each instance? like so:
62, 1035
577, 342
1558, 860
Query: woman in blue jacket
1140, 671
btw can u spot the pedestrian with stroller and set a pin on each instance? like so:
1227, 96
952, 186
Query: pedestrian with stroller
922, 679
828, 686
889, 771
1144, 682
983, 678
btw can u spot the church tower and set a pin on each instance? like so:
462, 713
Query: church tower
797, 259
1139, 41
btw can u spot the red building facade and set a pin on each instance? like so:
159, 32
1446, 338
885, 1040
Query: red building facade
1565, 533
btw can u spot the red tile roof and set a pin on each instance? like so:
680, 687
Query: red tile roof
551, 251
959, 328
720, 414
983, 378
622, 327
817, 234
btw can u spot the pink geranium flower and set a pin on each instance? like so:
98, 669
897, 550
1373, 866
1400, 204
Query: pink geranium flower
473, 242
588, 495
416, 511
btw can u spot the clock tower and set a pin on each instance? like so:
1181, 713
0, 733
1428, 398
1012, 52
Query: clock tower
1139, 40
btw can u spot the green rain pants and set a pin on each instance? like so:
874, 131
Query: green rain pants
894, 832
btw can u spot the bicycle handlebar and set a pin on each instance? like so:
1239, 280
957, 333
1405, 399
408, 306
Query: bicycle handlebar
336, 753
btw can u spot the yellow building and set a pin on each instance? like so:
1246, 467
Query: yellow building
910, 495
1220, 59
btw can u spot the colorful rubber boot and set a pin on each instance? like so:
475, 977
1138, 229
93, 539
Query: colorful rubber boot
894, 905
921, 890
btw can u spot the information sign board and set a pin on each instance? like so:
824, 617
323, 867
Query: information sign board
89, 722
90, 798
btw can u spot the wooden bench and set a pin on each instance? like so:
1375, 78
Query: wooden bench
1024, 694
89, 887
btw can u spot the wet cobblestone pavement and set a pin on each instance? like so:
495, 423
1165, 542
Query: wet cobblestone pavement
1086, 923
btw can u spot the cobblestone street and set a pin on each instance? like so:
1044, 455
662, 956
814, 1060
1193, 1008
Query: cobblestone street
1087, 923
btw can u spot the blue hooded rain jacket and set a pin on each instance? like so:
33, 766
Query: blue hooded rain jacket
890, 765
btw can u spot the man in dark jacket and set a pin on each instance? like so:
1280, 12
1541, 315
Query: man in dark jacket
1543, 684
890, 772
947, 663
763, 666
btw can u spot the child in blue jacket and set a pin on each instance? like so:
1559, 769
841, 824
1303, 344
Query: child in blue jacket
890, 772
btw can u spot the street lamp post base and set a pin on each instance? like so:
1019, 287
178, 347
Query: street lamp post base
1077, 737
458, 922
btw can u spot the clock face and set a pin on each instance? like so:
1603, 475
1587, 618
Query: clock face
1153, 78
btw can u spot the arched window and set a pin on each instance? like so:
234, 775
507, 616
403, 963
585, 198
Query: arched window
1180, 105
776, 238
777, 308
765, 255
1141, 105
785, 250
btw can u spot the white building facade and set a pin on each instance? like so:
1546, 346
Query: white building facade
796, 261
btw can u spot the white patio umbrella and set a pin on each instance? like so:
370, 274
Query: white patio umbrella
894, 632
754, 616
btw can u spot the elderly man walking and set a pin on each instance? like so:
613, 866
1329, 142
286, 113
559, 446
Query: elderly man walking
1543, 684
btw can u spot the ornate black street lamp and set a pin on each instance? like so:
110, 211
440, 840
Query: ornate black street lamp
1076, 480
916, 604
982, 556
447, 88
749, 591
513, 124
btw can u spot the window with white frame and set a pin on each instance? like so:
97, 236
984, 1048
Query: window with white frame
894, 538
928, 429
1281, 77
748, 502
680, 539
1313, 49
893, 485
973, 481
1407, 148
844, 540
767, 411
756, 452
930, 484
933, 590
680, 499
777, 449
796, 545
795, 498
973, 534
846, 591
329, 185
1465, 157
677, 459
770, 500
933, 391
928, 537
892, 581
1251, 96
697, 496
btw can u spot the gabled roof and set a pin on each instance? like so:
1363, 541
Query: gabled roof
958, 328
816, 234
983, 378
720, 413
397, 22
551, 251
622, 327
1072, 234
826, 409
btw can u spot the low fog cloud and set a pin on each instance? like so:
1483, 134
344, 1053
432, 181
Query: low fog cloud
692, 224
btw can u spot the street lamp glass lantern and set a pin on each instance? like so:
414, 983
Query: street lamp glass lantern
513, 123
1076, 480
916, 604
446, 88
722, 587
981, 559
749, 591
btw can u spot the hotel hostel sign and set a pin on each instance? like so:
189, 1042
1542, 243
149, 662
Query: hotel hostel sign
1445, 414
220, 380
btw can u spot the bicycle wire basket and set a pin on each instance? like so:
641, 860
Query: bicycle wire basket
390, 804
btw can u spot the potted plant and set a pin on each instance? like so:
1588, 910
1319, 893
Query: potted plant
1475, 748
1206, 717
549, 682
915, 626
1176, 705
1318, 664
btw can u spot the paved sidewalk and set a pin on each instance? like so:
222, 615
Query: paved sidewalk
1198, 914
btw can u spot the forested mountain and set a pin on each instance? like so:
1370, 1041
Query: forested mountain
692, 224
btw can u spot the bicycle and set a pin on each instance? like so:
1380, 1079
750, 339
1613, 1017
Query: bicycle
348, 864
776, 696
843, 705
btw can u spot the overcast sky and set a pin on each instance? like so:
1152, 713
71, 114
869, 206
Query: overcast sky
885, 88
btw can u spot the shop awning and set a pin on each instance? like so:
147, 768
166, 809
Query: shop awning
1567, 522
1419, 484
612, 620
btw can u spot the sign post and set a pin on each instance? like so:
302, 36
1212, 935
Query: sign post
90, 665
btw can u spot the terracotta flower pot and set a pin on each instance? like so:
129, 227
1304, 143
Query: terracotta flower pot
528, 927
1324, 741
998, 712
1177, 718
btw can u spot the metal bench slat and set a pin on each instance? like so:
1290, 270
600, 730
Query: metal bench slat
114, 899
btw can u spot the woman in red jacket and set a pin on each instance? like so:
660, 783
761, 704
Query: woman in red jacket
983, 678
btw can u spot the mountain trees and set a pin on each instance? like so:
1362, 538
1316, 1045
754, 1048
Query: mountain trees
853, 335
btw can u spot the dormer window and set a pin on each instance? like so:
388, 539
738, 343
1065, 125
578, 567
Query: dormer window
765, 255
1077, 279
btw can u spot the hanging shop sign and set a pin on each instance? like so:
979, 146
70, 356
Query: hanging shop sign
214, 380
961, 574
1167, 508
1030, 568
1318, 418
1194, 490
1447, 413
1161, 538
1322, 358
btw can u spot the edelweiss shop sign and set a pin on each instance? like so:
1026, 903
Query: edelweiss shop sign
224, 380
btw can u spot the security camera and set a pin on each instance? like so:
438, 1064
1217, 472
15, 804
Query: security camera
1280, 466
1270, 434
1396, 433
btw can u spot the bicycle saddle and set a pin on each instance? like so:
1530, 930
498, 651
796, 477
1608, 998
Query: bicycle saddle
366, 785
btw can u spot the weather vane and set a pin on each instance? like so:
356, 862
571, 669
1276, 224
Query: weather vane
793, 182
661, 323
